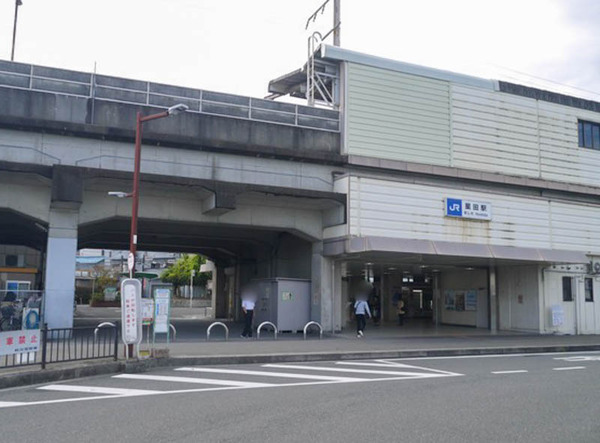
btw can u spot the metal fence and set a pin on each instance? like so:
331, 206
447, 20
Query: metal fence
102, 87
68, 344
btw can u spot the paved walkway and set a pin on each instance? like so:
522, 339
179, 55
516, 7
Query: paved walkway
416, 338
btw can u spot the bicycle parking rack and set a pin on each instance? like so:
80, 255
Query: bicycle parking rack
174, 331
265, 323
101, 325
217, 323
310, 323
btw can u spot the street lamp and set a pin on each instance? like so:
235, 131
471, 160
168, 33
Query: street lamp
12, 52
173, 110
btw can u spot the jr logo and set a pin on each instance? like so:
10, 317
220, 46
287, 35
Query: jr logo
454, 207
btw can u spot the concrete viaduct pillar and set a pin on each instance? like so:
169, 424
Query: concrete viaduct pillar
325, 290
61, 252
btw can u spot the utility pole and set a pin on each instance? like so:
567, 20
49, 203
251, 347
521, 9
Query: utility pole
336, 22
192, 275
12, 52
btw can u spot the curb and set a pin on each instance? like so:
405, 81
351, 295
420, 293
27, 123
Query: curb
88, 370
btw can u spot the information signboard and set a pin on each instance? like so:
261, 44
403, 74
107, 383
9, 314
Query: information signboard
131, 311
471, 209
162, 307
558, 315
19, 342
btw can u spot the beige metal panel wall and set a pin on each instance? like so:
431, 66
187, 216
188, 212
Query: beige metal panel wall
561, 157
401, 210
397, 116
508, 134
494, 132
575, 226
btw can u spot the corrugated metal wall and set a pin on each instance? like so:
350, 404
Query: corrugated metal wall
406, 117
416, 211
397, 116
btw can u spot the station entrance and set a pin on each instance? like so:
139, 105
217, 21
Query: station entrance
418, 297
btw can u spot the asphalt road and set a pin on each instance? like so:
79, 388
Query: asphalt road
529, 398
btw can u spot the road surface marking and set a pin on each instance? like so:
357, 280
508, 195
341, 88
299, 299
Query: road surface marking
457, 357
7, 404
204, 381
96, 390
580, 358
272, 374
354, 371
517, 371
198, 390
568, 368
391, 364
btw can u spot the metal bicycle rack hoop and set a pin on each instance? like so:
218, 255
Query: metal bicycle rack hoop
265, 323
310, 323
217, 323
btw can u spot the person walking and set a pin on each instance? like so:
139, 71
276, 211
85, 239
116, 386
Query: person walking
400, 311
248, 304
361, 312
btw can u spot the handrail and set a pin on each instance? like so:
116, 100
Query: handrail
197, 102
217, 323
313, 323
264, 323
101, 325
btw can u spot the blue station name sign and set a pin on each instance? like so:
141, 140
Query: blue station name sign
469, 209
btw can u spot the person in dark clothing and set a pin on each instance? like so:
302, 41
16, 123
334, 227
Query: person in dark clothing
248, 309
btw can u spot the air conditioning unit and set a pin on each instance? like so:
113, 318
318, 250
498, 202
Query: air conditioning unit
14, 260
594, 268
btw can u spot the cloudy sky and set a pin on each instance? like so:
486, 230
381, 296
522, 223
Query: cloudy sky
237, 46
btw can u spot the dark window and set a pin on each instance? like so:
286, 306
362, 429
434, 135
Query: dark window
589, 135
567, 288
589, 289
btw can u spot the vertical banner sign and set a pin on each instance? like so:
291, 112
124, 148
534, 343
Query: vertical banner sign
131, 311
162, 305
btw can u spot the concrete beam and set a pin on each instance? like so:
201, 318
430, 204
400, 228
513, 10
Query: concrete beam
219, 203
67, 187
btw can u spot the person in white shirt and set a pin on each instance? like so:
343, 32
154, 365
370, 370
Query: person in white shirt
248, 304
361, 312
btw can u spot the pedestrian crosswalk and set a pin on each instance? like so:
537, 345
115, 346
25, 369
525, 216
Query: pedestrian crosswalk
200, 379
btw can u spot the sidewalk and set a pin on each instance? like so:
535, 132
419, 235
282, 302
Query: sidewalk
380, 342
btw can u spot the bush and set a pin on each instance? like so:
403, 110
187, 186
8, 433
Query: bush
96, 297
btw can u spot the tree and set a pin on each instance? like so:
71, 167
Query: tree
179, 274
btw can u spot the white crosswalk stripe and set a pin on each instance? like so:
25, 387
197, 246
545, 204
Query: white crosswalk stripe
353, 371
203, 381
229, 378
97, 390
8, 404
272, 374
390, 365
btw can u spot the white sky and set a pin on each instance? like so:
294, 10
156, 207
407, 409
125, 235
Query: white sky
237, 46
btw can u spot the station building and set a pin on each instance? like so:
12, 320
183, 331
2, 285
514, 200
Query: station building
476, 201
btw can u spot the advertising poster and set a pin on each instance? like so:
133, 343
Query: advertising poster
459, 300
147, 311
471, 300
449, 300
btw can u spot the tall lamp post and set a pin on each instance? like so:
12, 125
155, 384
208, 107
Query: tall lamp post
135, 195
12, 52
